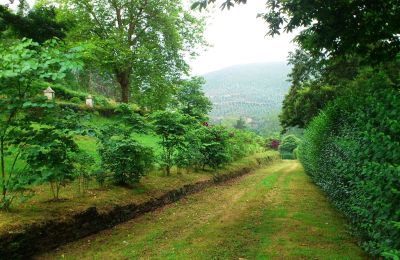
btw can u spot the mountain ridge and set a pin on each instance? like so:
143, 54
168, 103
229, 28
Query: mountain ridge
254, 91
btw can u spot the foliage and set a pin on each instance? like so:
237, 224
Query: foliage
214, 146
351, 150
126, 159
302, 104
66, 93
190, 99
50, 157
84, 169
141, 43
242, 143
315, 81
330, 27
240, 124
171, 127
288, 145
189, 154
39, 24
274, 144
75, 100
24, 67
131, 118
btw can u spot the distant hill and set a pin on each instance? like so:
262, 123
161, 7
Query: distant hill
251, 91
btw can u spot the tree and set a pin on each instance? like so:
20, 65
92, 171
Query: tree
240, 124
126, 159
24, 67
171, 127
141, 43
214, 146
39, 24
335, 28
83, 164
50, 156
338, 38
190, 98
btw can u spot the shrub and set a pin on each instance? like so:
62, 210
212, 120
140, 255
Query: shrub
242, 143
352, 151
274, 144
131, 118
288, 145
127, 160
50, 157
75, 100
83, 164
67, 93
214, 146
171, 127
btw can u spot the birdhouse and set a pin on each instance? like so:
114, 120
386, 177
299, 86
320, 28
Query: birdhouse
49, 93
89, 101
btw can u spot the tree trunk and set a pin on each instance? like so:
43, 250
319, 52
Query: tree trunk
123, 80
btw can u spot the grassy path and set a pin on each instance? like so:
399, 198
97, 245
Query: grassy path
273, 213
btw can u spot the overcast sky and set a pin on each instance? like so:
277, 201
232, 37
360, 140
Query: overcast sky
238, 37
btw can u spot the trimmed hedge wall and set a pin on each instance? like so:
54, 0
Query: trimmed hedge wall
352, 150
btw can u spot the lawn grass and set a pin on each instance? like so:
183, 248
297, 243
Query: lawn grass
39, 208
274, 213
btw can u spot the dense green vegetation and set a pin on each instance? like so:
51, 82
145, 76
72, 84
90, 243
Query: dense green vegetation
62, 141
345, 92
352, 151
150, 120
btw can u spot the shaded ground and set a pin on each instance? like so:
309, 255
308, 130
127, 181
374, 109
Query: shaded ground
275, 212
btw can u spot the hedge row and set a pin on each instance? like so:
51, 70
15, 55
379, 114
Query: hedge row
352, 150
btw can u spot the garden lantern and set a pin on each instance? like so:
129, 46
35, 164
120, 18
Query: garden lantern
89, 101
49, 93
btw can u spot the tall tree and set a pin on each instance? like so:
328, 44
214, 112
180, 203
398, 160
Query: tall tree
337, 38
38, 24
142, 43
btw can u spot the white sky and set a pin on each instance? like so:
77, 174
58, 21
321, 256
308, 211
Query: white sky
237, 36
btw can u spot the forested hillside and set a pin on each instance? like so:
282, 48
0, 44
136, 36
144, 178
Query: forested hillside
252, 91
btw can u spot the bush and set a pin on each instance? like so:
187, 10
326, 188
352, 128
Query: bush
75, 100
189, 154
83, 164
171, 127
66, 93
242, 143
288, 145
127, 160
131, 118
214, 146
50, 156
352, 151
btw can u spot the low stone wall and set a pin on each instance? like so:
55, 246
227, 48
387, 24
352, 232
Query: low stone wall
42, 237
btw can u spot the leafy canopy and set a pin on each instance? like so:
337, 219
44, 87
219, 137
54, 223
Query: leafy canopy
143, 44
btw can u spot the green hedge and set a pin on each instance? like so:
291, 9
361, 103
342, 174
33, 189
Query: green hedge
352, 150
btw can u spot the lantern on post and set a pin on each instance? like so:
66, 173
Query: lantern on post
49, 93
89, 101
